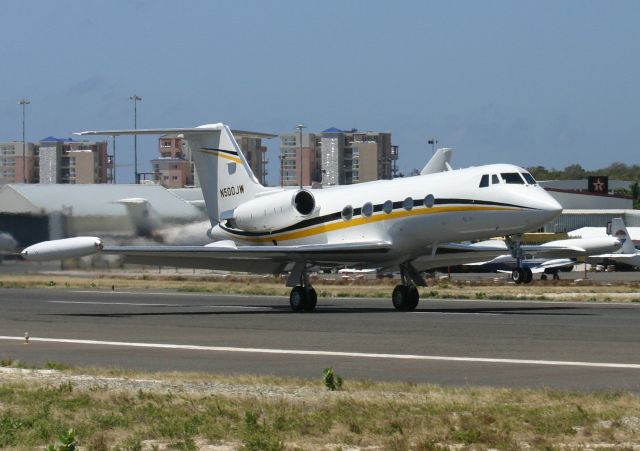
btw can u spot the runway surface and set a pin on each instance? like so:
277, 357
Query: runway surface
583, 346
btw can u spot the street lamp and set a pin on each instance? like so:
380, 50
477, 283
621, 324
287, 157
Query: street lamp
24, 103
433, 143
281, 157
135, 99
300, 127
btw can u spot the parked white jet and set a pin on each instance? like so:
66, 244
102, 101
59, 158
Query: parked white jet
381, 224
628, 254
550, 257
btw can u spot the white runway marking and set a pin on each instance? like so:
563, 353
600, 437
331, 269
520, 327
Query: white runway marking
142, 304
633, 366
114, 303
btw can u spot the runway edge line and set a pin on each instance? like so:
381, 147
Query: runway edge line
329, 353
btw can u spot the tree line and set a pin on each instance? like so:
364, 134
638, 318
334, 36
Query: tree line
615, 171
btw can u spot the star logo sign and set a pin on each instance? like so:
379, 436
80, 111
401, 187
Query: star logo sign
598, 186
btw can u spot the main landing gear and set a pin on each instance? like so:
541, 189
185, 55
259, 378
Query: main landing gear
405, 297
303, 297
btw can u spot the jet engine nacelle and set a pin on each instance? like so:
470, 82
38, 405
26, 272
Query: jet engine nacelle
274, 211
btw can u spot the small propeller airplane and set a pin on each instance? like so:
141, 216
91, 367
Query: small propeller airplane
385, 224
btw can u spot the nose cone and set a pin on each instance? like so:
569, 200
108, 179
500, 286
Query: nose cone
551, 206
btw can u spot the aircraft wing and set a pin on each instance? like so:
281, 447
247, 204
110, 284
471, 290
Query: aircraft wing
220, 255
548, 264
259, 259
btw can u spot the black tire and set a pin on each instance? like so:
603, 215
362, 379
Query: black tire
298, 299
413, 299
312, 300
528, 275
400, 297
543, 276
517, 275
556, 276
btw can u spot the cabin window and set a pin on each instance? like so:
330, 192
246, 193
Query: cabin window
367, 210
347, 212
484, 181
512, 178
495, 179
529, 178
387, 207
429, 200
407, 204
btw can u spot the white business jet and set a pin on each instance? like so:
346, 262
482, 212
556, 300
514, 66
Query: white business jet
628, 254
385, 224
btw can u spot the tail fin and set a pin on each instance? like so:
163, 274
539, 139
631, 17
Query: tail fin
619, 230
143, 216
439, 162
225, 176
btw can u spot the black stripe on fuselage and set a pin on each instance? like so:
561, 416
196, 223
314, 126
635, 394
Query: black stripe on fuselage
230, 152
358, 211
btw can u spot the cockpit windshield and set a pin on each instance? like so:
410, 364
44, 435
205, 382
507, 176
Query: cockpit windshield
529, 178
512, 178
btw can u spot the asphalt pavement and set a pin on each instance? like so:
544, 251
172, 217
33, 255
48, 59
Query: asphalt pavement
577, 346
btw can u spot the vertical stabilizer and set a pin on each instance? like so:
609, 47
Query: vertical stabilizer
224, 174
619, 230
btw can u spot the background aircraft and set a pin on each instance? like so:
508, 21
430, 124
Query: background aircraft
628, 255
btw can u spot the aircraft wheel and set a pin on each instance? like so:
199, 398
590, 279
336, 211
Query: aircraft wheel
312, 300
400, 297
528, 275
517, 275
298, 299
543, 276
413, 299
556, 276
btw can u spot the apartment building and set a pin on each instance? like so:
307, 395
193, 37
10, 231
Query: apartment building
54, 160
174, 168
336, 157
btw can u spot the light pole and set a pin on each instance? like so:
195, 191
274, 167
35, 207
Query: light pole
24, 103
281, 157
300, 127
433, 143
135, 99
113, 162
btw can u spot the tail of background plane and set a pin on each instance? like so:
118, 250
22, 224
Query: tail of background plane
619, 230
224, 174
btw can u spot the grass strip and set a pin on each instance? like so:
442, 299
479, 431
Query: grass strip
110, 409
494, 289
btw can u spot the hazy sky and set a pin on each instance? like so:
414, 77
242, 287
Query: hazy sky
532, 83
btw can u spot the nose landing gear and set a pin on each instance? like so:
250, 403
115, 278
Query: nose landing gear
520, 274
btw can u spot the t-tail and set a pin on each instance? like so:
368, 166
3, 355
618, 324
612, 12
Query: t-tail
224, 174
619, 230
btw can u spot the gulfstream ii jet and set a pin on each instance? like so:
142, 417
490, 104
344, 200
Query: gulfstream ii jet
385, 224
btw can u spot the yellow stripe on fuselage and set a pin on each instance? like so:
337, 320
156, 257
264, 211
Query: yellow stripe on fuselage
222, 155
341, 224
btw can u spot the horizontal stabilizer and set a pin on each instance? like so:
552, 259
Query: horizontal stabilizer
163, 131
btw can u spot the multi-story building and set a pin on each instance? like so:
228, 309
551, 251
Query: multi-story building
293, 161
174, 168
54, 160
16, 166
336, 157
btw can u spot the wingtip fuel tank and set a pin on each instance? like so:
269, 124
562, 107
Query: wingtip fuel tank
65, 248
